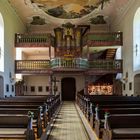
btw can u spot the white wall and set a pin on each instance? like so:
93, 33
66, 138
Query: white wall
36, 81
1, 44
124, 23
43, 81
12, 25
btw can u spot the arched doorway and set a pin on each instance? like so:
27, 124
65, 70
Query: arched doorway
68, 89
137, 84
1, 86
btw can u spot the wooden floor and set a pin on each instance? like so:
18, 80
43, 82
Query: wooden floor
68, 125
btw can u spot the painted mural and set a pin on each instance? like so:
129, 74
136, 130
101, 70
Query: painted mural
69, 9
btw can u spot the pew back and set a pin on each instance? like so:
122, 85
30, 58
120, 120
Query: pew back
13, 121
124, 121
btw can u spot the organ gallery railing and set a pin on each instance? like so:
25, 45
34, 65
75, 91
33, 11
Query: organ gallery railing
32, 66
103, 39
90, 39
105, 64
69, 63
45, 66
33, 40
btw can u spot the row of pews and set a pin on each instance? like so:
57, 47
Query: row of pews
112, 117
26, 117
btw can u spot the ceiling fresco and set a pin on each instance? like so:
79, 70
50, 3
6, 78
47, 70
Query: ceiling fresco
69, 9
43, 13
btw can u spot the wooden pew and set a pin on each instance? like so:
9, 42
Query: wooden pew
93, 112
118, 126
31, 97
101, 112
50, 108
37, 123
87, 103
38, 100
45, 111
116, 101
106, 100
16, 127
23, 105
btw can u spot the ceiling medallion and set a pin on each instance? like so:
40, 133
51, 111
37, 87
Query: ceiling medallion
66, 9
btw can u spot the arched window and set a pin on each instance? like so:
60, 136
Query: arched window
1, 44
136, 41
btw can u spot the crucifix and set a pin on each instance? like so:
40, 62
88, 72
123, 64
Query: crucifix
54, 81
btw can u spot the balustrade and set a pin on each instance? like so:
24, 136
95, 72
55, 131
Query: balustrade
106, 64
63, 63
103, 39
32, 65
69, 63
36, 40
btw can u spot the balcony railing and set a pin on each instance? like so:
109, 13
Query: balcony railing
33, 40
32, 66
90, 39
80, 64
76, 63
103, 39
99, 66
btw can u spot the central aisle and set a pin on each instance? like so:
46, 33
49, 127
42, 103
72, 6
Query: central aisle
68, 125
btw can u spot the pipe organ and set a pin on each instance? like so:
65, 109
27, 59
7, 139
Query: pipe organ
68, 40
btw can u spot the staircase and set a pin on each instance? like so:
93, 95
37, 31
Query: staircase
110, 54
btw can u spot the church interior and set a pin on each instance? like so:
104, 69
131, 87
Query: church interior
69, 70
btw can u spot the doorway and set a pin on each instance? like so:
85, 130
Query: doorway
1, 86
68, 89
137, 84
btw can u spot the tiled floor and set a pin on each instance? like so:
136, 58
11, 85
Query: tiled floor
68, 125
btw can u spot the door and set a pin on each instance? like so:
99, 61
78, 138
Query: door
1, 86
68, 89
137, 84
